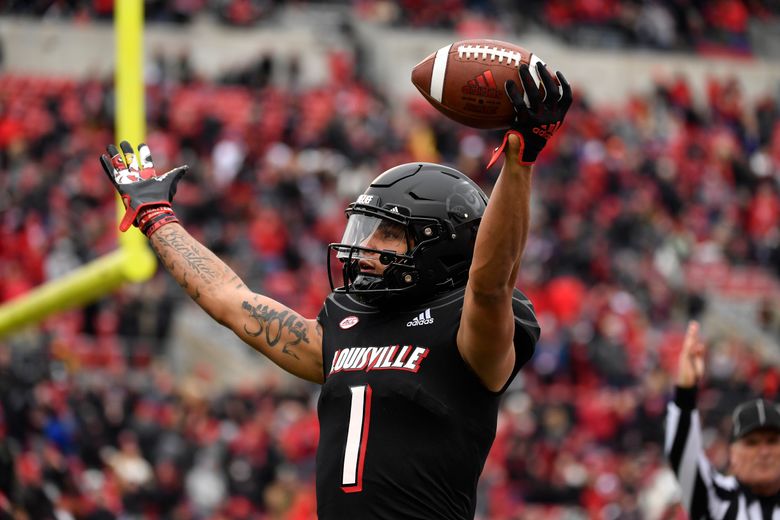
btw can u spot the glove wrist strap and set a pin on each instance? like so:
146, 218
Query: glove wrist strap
498, 151
152, 219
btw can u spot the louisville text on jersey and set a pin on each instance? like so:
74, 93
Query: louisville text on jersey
391, 357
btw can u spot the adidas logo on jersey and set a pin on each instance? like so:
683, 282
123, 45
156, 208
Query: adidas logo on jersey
424, 318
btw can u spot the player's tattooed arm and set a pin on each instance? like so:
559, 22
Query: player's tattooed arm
199, 271
279, 326
284, 336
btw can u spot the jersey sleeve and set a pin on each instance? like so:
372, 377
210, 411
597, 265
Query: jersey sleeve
684, 451
322, 319
527, 332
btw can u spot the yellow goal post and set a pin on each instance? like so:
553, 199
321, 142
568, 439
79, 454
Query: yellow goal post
133, 261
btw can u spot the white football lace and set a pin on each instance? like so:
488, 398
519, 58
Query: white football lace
485, 52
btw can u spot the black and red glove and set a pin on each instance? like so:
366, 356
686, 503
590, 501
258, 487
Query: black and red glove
147, 196
537, 120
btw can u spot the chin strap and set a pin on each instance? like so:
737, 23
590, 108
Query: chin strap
368, 282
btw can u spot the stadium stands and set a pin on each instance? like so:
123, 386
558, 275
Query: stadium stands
721, 26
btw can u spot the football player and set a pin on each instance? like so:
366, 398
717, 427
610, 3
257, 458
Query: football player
420, 337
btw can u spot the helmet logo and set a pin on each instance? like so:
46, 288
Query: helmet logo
365, 199
394, 210
348, 322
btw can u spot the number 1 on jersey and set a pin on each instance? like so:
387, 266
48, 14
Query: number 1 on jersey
357, 435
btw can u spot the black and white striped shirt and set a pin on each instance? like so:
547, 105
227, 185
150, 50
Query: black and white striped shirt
706, 493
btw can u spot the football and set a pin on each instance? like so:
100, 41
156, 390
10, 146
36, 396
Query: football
465, 80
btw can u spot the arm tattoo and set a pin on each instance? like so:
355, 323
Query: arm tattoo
195, 257
192, 265
274, 324
239, 283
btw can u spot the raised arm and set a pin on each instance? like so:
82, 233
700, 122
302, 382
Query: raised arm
288, 339
485, 337
683, 443
284, 336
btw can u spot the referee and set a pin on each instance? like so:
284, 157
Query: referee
752, 489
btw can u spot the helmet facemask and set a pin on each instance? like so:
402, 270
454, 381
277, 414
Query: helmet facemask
376, 257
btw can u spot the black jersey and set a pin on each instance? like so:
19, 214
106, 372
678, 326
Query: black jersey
405, 424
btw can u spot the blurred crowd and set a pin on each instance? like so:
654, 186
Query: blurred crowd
626, 199
232, 12
704, 26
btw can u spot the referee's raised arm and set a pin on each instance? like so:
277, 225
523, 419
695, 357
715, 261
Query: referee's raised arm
683, 446
751, 490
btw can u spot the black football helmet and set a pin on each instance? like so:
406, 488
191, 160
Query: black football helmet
438, 207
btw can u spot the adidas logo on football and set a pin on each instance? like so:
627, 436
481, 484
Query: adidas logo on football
424, 318
482, 85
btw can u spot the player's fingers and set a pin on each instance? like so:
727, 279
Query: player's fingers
105, 162
177, 173
145, 159
566, 96
117, 161
145, 155
532, 96
130, 158
691, 337
510, 87
698, 367
551, 95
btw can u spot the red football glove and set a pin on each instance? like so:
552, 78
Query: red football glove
147, 196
